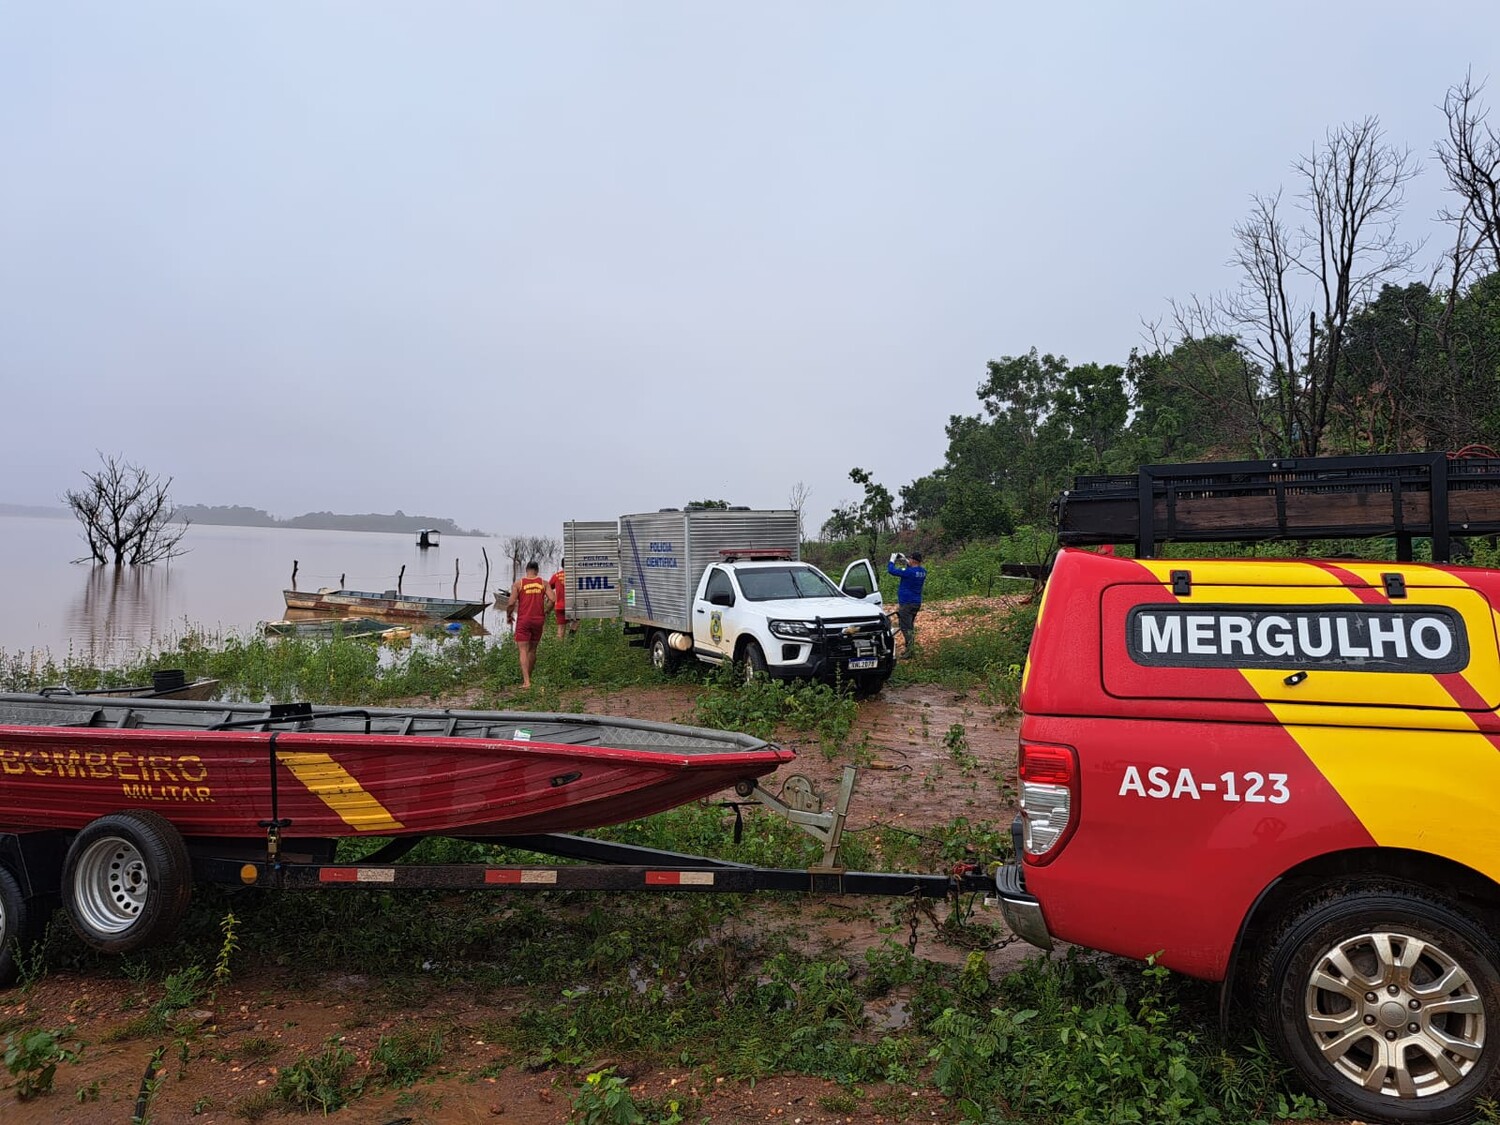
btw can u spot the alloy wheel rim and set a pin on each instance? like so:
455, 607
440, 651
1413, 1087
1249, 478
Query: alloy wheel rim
110, 885
1394, 1014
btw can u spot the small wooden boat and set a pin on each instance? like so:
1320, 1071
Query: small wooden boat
327, 627
226, 770
389, 604
171, 683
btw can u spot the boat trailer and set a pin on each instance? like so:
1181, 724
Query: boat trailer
148, 895
606, 866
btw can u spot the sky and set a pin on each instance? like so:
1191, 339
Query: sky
519, 263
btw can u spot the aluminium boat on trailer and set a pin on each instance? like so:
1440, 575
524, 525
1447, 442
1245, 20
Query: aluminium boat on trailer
215, 770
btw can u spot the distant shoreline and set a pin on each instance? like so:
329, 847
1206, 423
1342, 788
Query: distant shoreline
234, 515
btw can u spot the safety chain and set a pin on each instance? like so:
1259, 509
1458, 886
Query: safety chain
950, 931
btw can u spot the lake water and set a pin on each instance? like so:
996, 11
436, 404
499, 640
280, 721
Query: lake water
230, 580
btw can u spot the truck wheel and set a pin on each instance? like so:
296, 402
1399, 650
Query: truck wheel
754, 661
868, 684
1387, 1001
15, 925
126, 881
664, 658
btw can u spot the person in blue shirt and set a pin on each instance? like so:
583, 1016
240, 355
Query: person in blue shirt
908, 595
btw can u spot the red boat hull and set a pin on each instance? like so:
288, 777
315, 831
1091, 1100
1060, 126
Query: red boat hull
334, 785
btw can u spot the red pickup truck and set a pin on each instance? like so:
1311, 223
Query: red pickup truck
1283, 776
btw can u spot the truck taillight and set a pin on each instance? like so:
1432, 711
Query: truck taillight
1049, 797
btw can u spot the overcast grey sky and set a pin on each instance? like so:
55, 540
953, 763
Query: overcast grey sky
515, 263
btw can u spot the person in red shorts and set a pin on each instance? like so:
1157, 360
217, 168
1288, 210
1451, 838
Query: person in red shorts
558, 584
526, 609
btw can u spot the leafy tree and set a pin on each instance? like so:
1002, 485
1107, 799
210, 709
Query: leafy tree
1088, 411
922, 500
1198, 397
842, 523
974, 510
694, 505
126, 514
875, 511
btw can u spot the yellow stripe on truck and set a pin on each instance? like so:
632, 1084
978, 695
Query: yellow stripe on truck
336, 787
1432, 793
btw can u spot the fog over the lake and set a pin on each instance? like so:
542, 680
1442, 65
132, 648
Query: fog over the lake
517, 263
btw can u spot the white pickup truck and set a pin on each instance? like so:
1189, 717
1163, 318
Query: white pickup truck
787, 619
721, 585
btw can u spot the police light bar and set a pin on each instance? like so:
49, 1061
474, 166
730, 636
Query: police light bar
756, 554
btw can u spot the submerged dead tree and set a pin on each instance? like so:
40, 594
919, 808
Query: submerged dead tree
126, 514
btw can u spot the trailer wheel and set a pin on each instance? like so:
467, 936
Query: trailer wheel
754, 661
126, 881
15, 925
664, 658
1387, 1001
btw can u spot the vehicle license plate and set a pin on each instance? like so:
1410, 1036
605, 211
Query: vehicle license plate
865, 662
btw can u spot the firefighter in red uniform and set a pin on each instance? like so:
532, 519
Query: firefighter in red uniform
526, 609
558, 584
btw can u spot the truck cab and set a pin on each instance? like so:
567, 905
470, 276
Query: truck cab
1281, 774
788, 620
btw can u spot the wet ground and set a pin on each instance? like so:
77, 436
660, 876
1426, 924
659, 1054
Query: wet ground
929, 754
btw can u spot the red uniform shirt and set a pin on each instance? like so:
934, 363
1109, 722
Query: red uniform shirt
531, 604
559, 591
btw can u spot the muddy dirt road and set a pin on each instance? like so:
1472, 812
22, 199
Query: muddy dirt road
930, 755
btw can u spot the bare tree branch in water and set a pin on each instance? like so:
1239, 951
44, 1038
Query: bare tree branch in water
126, 514
522, 549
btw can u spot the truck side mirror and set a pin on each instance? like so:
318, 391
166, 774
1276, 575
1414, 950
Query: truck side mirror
722, 599
857, 592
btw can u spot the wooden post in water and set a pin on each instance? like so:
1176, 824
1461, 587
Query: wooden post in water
484, 591
399, 579
294, 575
342, 583
455, 580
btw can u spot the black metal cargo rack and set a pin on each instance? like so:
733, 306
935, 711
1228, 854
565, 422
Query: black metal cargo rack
1403, 496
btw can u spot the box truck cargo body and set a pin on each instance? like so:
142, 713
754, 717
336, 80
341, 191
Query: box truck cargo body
664, 554
592, 551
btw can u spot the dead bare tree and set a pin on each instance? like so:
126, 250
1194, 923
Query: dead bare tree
522, 549
796, 499
1318, 273
126, 513
1470, 158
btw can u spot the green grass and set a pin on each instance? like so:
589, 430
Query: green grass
349, 670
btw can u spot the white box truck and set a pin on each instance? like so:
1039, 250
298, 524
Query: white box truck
727, 584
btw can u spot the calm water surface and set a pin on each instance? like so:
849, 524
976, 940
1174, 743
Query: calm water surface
229, 581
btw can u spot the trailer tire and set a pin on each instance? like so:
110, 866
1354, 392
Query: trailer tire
664, 658
15, 925
1412, 1036
753, 661
126, 881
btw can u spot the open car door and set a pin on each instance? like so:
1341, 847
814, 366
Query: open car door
860, 582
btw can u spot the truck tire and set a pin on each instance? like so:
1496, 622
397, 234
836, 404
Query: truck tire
868, 684
753, 660
1387, 1002
15, 925
664, 658
126, 881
